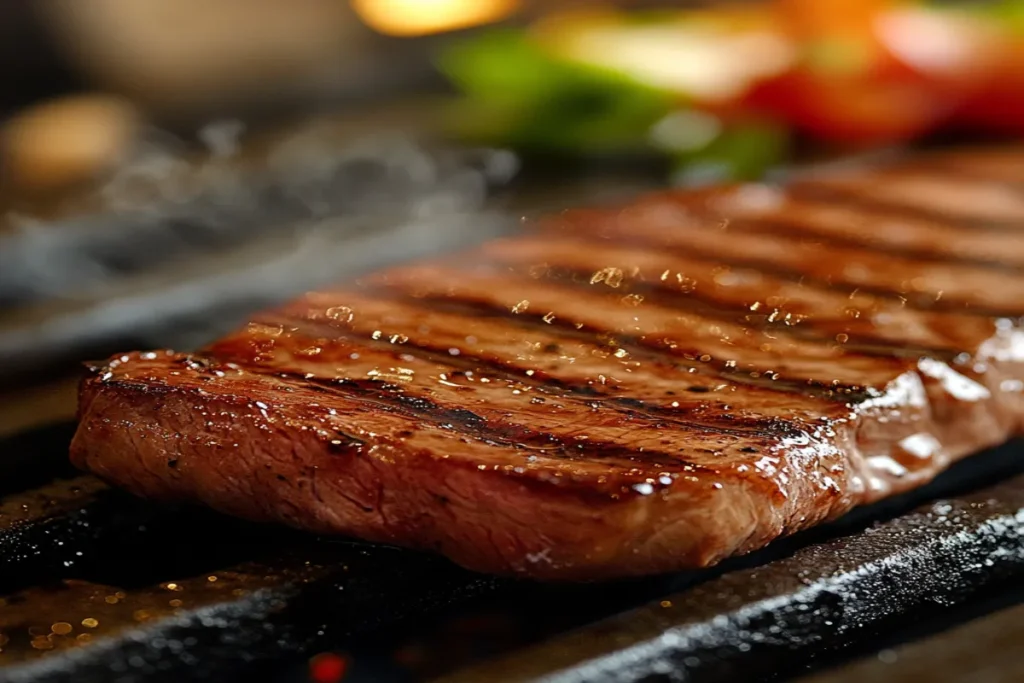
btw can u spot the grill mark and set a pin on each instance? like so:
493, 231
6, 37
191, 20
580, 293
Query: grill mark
856, 197
967, 168
696, 302
552, 387
917, 302
805, 330
789, 228
391, 398
733, 307
835, 391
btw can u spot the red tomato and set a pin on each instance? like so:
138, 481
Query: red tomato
999, 107
874, 71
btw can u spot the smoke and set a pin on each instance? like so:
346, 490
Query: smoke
184, 246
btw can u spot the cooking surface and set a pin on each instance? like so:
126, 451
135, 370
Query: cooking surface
400, 616
983, 650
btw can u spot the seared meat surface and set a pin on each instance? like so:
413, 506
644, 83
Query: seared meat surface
616, 392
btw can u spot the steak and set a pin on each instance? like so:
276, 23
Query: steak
615, 392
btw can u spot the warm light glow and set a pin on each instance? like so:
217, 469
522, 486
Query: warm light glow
422, 17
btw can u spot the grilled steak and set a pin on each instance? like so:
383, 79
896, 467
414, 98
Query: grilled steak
616, 392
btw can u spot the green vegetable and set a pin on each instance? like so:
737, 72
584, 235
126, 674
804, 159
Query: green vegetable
516, 94
741, 152
1009, 13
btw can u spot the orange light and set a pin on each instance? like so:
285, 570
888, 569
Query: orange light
422, 17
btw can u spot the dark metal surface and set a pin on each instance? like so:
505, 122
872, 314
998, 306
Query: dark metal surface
99, 586
985, 650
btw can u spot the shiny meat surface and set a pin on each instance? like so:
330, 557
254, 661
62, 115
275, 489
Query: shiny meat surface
616, 392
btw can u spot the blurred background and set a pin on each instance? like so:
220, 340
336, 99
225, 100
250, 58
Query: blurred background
167, 165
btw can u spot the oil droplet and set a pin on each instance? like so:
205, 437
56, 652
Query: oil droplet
521, 306
175, 603
666, 603
611, 276
83, 637
172, 587
211, 578
140, 615
340, 313
89, 622
110, 599
61, 628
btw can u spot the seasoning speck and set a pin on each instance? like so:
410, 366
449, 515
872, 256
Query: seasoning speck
611, 276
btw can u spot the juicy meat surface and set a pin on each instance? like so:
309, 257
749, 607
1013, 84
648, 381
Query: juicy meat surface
616, 392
